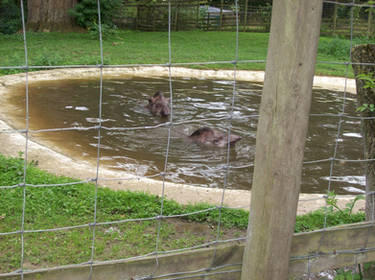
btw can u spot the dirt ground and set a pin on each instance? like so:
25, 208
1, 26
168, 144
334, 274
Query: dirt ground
54, 161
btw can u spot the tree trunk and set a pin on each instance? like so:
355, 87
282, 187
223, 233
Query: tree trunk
366, 54
49, 15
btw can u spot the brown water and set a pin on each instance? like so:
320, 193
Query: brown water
72, 103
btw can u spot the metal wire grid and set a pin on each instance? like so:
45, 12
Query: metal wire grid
204, 271
340, 123
99, 127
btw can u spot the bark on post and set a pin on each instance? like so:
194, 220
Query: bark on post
366, 54
49, 15
281, 136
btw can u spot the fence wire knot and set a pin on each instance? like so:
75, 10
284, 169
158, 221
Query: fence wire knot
92, 224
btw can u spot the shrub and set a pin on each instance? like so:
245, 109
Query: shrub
85, 12
107, 31
10, 17
336, 47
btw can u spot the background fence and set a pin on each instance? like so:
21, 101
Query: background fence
312, 252
189, 15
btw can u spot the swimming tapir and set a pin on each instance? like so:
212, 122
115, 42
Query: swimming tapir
159, 105
208, 136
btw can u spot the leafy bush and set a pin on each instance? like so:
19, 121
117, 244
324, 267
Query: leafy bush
107, 31
336, 47
332, 214
85, 12
10, 17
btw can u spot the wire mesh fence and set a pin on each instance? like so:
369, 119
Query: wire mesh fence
160, 219
190, 15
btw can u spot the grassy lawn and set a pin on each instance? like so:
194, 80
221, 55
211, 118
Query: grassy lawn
52, 207
131, 47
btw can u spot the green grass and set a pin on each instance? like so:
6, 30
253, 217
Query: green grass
131, 47
52, 207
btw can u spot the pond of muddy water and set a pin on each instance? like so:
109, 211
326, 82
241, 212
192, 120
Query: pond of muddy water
74, 103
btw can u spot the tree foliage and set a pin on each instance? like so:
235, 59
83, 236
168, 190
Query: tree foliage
10, 17
85, 12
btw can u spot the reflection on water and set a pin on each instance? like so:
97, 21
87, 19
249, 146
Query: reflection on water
72, 103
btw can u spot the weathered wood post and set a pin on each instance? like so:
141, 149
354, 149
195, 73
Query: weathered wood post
281, 136
366, 95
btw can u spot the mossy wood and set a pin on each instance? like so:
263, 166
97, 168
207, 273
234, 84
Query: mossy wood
366, 95
311, 252
281, 136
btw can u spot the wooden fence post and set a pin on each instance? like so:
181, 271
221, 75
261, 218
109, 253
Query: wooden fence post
176, 17
281, 136
208, 21
334, 18
245, 15
221, 14
369, 23
198, 14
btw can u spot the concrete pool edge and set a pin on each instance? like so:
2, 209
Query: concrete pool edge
60, 164
330, 83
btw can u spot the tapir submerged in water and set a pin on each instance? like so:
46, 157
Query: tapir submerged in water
159, 105
208, 136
